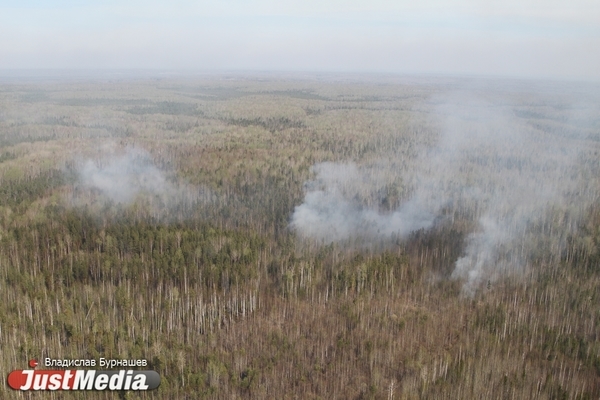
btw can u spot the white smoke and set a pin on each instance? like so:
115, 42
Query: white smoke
129, 176
123, 178
333, 211
507, 173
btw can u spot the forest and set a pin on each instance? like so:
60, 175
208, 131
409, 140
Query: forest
305, 237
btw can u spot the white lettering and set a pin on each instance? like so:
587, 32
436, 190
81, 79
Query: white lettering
40, 381
55, 381
29, 380
66, 379
101, 382
128, 380
139, 382
84, 380
116, 381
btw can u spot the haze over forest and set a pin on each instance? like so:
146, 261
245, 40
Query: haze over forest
340, 200
332, 236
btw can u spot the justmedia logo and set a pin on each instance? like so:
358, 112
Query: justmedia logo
82, 379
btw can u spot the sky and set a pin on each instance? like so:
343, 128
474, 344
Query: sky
524, 38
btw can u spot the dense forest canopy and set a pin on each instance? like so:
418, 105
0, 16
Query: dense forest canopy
252, 237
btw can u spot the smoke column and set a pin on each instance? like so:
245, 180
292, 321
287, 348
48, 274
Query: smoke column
491, 163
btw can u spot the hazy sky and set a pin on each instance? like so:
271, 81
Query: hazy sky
530, 38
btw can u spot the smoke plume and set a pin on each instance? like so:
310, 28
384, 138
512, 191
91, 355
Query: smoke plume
129, 177
122, 178
332, 210
517, 175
